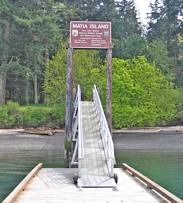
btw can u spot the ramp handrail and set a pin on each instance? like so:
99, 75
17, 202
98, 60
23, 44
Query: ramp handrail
105, 133
77, 129
80, 127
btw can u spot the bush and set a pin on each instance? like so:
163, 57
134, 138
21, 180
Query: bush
141, 94
57, 116
10, 115
14, 115
180, 116
178, 120
3, 117
87, 70
35, 117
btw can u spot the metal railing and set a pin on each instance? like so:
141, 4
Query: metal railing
80, 127
77, 130
105, 133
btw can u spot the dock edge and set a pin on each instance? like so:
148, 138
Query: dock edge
152, 185
22, 185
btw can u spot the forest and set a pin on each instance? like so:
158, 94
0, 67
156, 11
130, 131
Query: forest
147, 61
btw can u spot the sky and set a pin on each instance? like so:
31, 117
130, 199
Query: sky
143, 8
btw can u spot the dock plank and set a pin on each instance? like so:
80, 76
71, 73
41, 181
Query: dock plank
55, 185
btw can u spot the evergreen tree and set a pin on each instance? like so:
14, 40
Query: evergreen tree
166, 24
157, 23
128, 21
29, 34
108, 12
173, 11
64, 14
128, 39
87, 10
6, 10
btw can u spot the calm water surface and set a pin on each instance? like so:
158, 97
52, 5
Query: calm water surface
15, 165
166, 168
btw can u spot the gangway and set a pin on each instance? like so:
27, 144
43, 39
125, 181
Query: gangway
93, 150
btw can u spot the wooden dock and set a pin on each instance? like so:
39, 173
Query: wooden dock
54, 185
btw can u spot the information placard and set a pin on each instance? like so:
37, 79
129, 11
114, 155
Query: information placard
90, 34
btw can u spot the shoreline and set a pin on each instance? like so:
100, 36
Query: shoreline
149, 140
114, 131
150, 129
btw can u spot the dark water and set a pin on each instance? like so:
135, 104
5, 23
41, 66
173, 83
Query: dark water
15, 165
165, 168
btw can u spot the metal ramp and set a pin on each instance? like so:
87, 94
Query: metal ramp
93, 150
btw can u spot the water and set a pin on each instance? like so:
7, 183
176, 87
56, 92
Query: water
15, 165
165, 168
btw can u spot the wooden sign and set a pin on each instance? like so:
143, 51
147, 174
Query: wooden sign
90, 34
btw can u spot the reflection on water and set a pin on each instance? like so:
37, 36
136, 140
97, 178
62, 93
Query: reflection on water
165, 168
15, 165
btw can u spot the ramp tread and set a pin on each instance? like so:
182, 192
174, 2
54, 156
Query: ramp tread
93, 167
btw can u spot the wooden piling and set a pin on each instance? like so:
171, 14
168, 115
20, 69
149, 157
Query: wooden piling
109, 89
68, 111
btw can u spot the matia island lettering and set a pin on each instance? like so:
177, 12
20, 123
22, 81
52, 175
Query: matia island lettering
90, 26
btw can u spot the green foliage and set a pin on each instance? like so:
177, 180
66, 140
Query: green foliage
14, 115
68, 145
3, 117
35, 116
157, 53
141, 94
10, 115
29, 34
57, 116
130, 47
166, 24
65, 13
55, 78
87, 70
180, 116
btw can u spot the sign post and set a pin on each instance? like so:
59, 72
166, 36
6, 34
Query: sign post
109, 90
68, 113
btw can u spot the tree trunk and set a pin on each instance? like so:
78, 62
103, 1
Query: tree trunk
27, 91
35, 89
46, 54
43, 98
3, 73
2, 88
